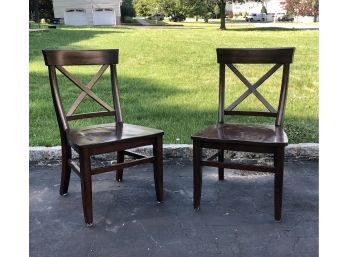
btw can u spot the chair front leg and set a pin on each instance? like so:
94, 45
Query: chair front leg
197, 175
66, 169
86, 187
278, 182
158, 167
119, 172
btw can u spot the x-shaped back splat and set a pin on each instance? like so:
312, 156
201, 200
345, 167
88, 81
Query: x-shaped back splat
86, 90
252, 89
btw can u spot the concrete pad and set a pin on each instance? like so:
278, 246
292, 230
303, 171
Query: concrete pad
236, 216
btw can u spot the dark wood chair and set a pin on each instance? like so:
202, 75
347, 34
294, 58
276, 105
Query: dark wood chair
257, 138
101, 138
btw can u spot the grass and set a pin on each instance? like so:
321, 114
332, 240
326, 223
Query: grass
34, 25
169, 77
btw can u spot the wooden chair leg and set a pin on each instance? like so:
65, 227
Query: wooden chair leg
278, 182
86, 187
120, 159
197, 175
221, 159
66, 169
158, 167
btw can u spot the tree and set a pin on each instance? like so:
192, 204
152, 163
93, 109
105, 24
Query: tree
171, 7
222, 5
202, 8
127, 9
167, 7
144, 7
315, 7
39, 9
205, 8
302, 7
216, 11
263, 9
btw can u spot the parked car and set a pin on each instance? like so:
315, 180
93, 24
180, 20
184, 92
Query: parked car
286, 18
156, 16
256, 17
177, 17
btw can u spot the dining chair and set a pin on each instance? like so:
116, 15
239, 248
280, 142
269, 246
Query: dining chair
244, 136
99, 138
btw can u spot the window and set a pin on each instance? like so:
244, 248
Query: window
104, 9
75, 10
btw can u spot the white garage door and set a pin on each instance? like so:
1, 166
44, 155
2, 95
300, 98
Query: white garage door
75, 17
104, 16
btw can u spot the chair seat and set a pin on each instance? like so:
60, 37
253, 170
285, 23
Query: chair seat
104, 134
252, 134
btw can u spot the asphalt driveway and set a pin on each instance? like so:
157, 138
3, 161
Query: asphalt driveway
236, 216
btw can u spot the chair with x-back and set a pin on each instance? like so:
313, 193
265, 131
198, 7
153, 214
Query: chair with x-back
102, 138
257, 138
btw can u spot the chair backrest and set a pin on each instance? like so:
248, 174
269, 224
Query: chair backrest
231, 56
56, 59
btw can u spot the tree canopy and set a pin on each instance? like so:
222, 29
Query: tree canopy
302, 7
167, 7
39, 9
127, 8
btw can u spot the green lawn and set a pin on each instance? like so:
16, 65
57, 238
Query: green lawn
169, 77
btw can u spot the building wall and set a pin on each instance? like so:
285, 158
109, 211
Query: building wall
60, 6
275, 6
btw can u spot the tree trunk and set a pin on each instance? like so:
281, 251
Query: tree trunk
36, 11
223, 14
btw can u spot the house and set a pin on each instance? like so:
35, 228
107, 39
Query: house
88, 12
272, 6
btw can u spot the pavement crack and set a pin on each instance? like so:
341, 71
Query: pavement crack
156, 243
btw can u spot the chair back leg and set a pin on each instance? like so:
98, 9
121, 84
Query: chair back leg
278, 182
158, 167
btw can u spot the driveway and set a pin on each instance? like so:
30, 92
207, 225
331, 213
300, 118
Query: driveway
236, 216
